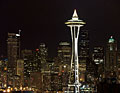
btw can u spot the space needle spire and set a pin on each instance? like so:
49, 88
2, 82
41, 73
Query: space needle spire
75, 16
75, 24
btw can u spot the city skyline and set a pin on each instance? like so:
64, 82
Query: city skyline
39, 53
43, 22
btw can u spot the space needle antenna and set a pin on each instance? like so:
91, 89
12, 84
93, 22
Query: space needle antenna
75, 24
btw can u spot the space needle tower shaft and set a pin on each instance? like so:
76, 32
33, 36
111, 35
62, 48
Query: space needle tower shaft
75, 24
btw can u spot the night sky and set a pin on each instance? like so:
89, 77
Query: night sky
43, 21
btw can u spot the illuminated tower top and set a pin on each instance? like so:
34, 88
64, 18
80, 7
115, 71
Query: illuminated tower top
111, 40
75, 16
75, 20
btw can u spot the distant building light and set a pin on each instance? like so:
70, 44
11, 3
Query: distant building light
6, 59
5, 68
17, 34
96, 60
96, 63
4, 91
64, 43
8, 90
101, 60
8, 86
95, 50
83, 86
64, 66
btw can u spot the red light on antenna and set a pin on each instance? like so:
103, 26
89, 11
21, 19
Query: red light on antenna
37, 49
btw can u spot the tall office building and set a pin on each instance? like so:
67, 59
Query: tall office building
50, 76
64, 59
3, 73
36, 81
83, 53
13, 47
27, 56
64, 53
20, 71
43, 54
98, 55
118, 68
98, 59
25, 53
84, 44
111, 58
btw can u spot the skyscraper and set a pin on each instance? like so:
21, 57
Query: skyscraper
83, 53
64, 52
118, 68
43, 54
3, 72
13, 47
27, 56
64, 57
84, 44
98, 59
111, 57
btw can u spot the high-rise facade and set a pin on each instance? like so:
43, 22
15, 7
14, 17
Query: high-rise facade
84, 44
3, 73
27, 56
118, 68
64, 57
98, 55
43, 54
83, 53
36, 81
25, 53
64, 52
111, 58
13, 47
20, 72
50, 78
98, 59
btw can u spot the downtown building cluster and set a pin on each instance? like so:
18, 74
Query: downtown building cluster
33, 70
74, 69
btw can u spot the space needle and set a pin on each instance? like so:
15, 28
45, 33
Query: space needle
75, 24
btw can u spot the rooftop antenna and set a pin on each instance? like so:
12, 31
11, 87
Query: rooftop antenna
19, 31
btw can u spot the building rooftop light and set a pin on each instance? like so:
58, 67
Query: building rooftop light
111, 40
